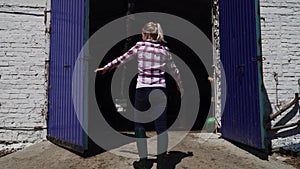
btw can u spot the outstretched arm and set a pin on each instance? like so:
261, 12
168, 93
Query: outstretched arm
118, 61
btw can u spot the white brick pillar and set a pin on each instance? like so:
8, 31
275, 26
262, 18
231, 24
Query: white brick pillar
23, 51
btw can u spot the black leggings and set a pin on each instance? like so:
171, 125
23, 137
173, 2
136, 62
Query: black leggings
158, 104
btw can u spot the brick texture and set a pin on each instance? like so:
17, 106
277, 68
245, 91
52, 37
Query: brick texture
280, 43
23, 97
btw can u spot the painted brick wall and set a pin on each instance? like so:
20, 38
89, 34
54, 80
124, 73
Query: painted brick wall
23, 51
280, 21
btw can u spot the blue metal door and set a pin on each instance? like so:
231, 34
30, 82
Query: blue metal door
243, 115
66, 41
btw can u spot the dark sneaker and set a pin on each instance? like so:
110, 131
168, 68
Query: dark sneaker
142, 164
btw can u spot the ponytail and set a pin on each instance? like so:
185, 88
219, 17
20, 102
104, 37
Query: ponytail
160, 34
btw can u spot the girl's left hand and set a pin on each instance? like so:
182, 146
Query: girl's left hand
102, 70
181, 91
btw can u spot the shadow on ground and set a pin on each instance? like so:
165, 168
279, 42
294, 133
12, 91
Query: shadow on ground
174, 158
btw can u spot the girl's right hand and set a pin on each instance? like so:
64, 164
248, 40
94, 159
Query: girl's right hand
102, 70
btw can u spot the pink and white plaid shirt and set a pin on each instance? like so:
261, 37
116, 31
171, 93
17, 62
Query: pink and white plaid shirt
152, 58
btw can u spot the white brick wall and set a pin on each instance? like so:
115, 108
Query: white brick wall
23, 51
281, 48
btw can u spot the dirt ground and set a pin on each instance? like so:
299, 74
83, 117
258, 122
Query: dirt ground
191, 153
294, 161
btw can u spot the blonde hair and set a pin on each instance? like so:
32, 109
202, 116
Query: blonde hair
155, 31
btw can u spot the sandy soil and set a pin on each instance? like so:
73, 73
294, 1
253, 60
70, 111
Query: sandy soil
214, 153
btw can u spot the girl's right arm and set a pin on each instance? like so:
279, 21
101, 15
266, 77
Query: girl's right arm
102, 70
125, 57
116, 62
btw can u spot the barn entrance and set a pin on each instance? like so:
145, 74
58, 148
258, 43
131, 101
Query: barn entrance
196, 12
72, 23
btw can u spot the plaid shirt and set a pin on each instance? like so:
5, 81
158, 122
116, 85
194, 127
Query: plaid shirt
152, 59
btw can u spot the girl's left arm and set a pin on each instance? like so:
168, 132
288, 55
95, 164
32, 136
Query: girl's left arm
175, 72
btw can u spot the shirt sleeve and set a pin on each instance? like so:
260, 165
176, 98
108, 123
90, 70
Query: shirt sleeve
121, 59
174, 70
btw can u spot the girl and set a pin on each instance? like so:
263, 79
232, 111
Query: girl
152, 56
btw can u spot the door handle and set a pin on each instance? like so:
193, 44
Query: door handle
67, 66
241, 68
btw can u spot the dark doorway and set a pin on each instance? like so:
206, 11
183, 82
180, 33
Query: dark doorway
195, 11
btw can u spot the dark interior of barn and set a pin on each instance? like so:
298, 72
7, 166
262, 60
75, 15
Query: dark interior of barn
195, 11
